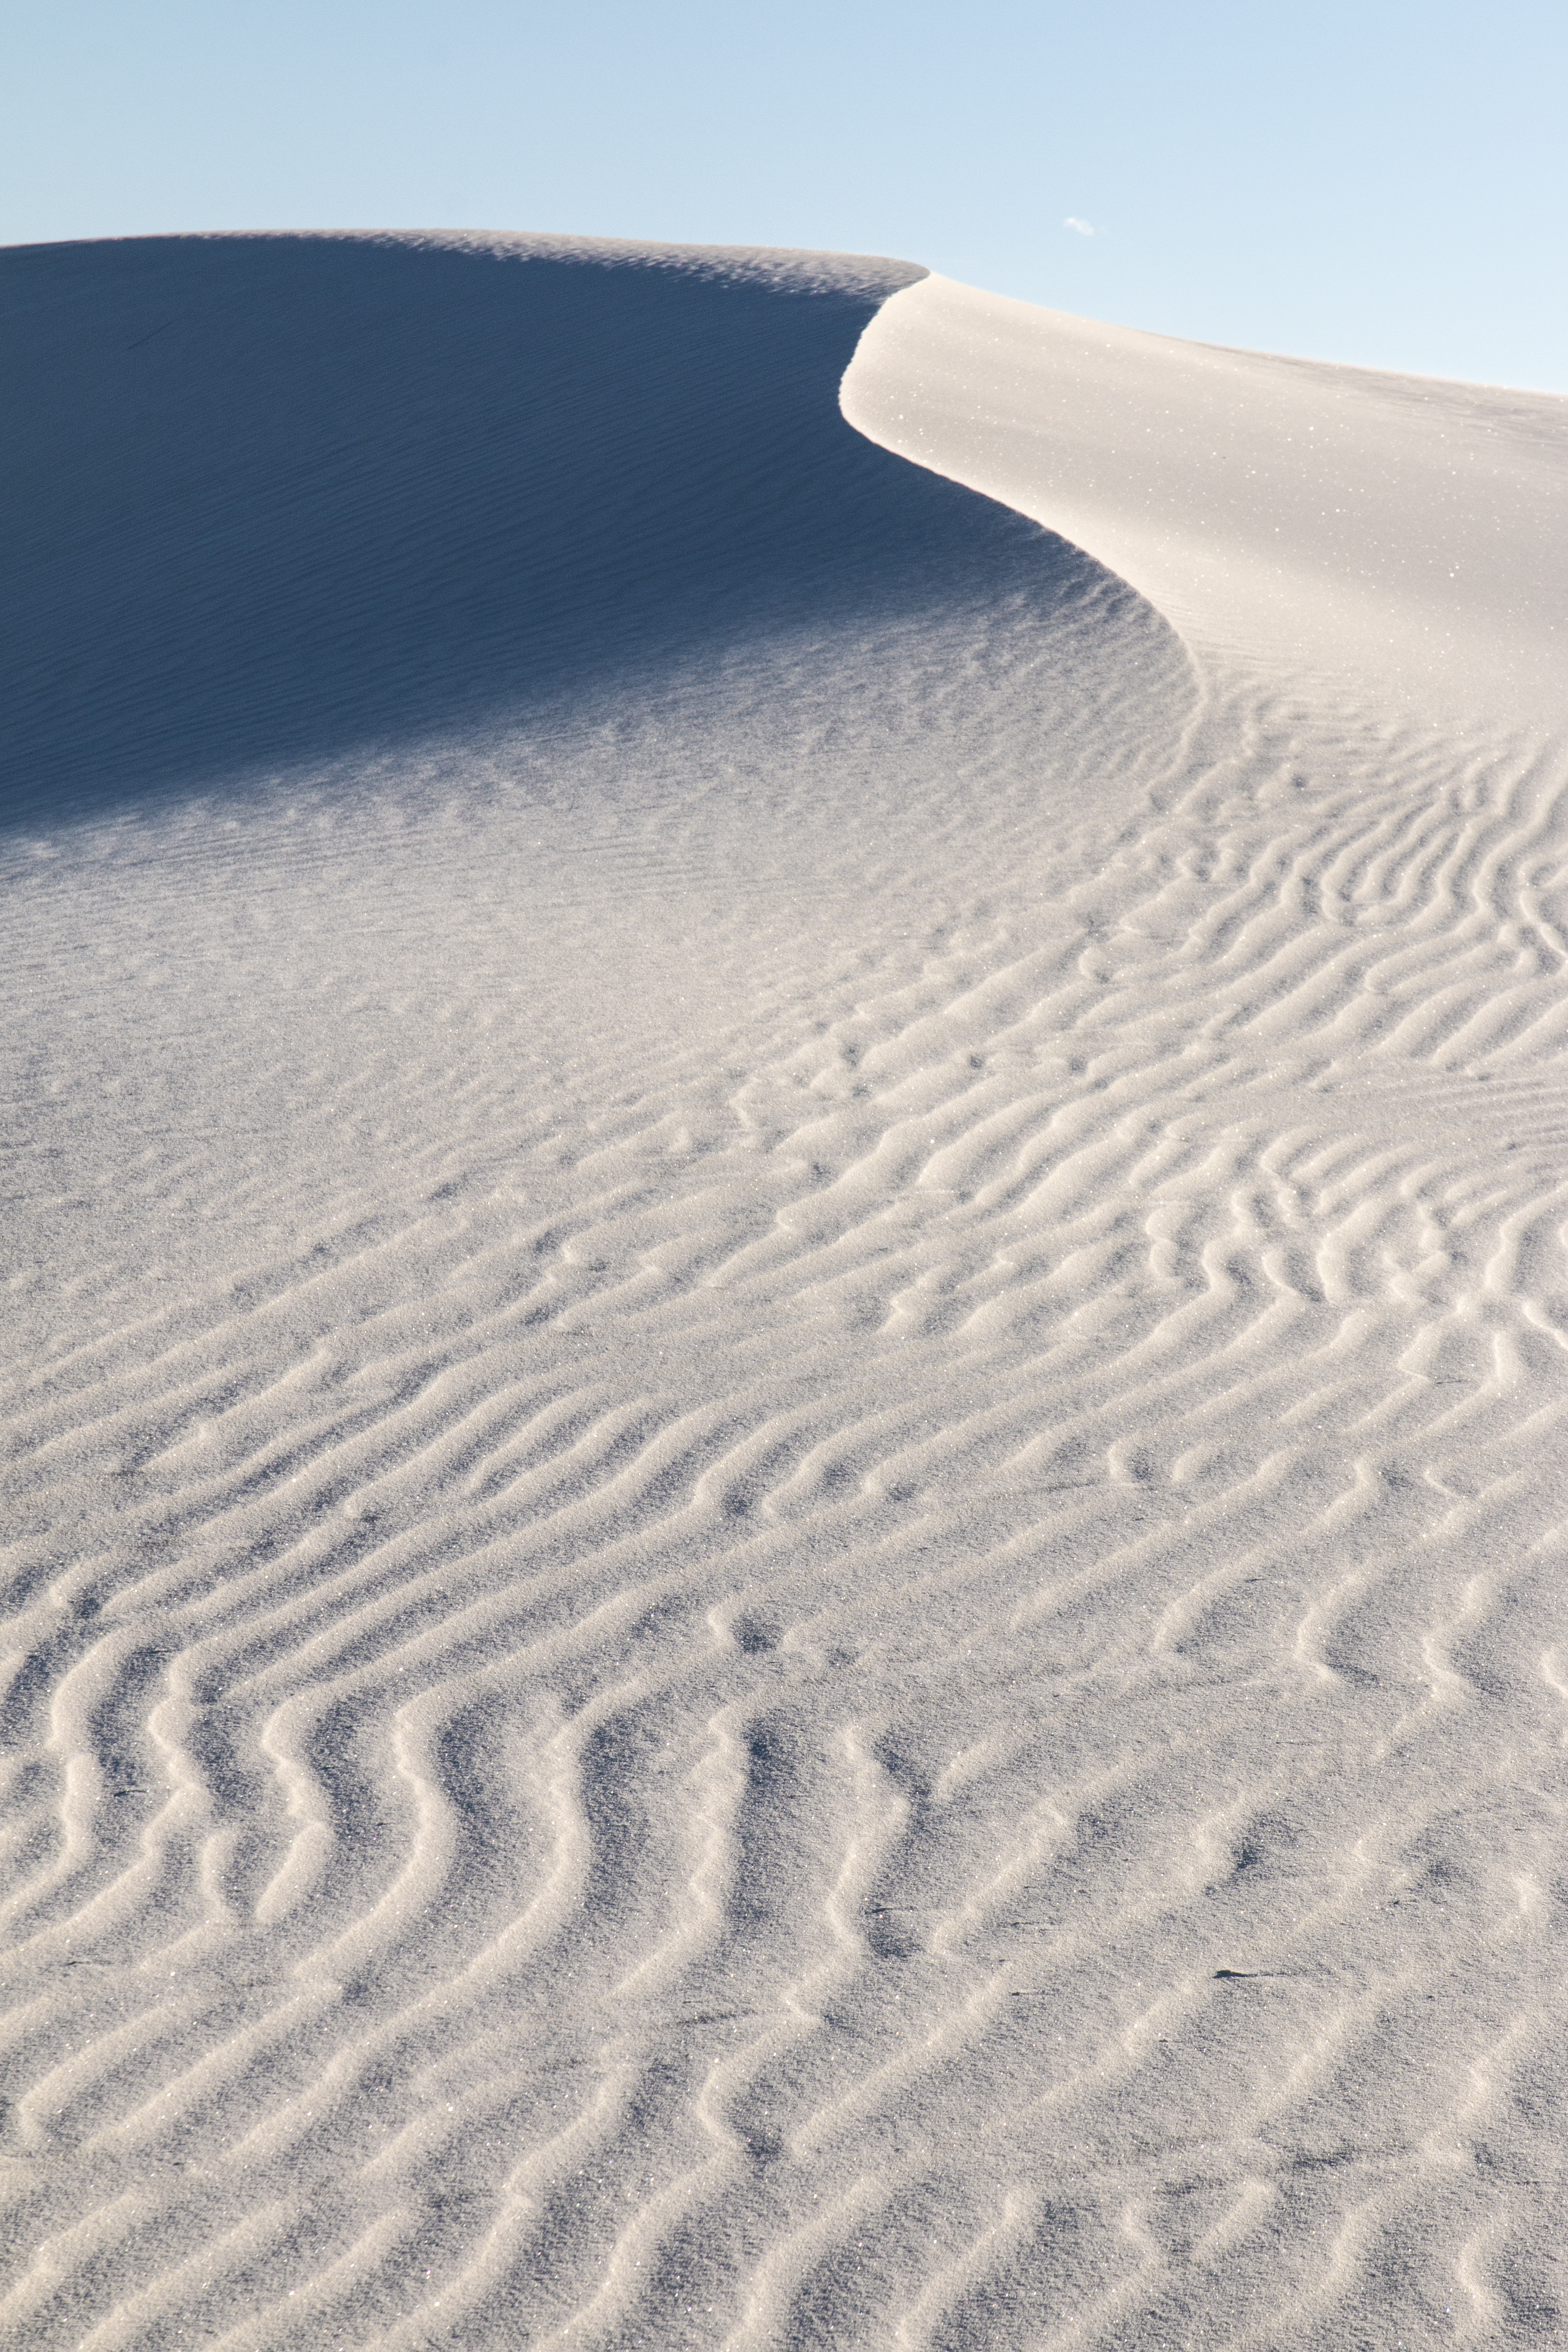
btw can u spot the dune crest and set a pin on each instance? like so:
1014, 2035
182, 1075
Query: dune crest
1362, 530
789, 1317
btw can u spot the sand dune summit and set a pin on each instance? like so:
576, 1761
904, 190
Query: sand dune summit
787, 1312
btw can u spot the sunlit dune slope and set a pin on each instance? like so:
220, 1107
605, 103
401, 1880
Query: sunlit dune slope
1395, 535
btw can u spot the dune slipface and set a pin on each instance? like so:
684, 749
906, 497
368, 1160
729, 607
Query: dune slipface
788, 1316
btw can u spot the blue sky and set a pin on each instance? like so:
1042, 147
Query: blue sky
1382, 183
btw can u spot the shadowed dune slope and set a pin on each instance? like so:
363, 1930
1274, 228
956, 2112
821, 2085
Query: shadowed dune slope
277, 497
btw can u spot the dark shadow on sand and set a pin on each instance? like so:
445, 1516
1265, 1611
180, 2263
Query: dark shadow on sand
271, 498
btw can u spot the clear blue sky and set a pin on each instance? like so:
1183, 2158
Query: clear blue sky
1375, 182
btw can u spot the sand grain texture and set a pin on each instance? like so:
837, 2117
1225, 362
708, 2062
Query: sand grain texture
788, 1317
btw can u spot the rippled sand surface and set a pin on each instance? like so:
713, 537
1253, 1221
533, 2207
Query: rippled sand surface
787, 1317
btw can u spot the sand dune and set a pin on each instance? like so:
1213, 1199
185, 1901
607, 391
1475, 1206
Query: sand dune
789, 1316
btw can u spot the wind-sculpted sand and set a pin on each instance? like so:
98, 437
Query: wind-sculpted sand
788, 1317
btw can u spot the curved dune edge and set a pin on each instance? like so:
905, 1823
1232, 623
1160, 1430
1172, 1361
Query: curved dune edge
784, 1529
1395, 535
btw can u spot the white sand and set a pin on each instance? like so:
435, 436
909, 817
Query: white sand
790, 1317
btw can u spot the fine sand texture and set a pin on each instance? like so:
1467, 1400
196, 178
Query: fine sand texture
786, 1374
